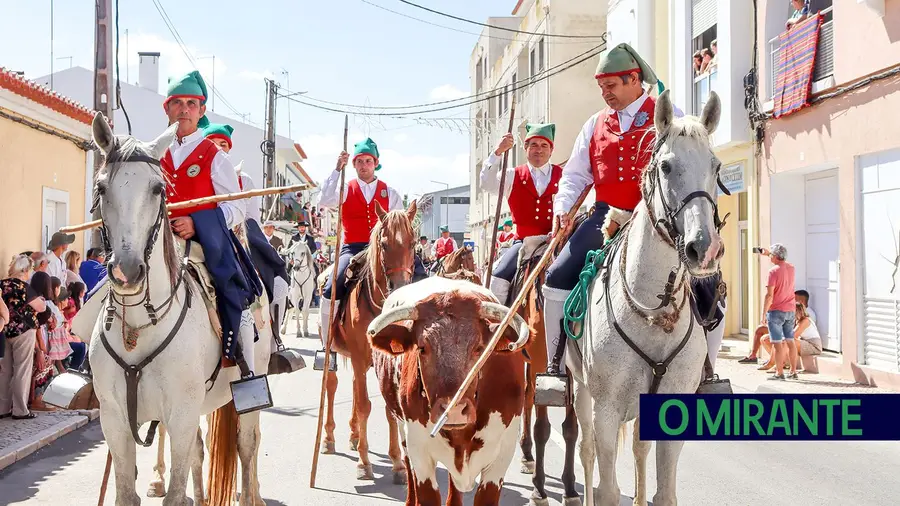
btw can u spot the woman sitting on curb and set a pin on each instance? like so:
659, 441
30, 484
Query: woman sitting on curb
809, 342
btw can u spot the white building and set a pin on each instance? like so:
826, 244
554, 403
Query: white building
143, 104
448, 208
568, 98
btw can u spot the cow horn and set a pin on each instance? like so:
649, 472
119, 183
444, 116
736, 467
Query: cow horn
494, 311
399, 313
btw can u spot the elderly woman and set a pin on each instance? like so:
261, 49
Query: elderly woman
16, 365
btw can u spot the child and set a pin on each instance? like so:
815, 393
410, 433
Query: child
79, 348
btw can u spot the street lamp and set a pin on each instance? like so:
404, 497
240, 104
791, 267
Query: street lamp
446, 202
213, 78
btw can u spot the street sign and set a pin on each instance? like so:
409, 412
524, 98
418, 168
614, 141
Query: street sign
732, 177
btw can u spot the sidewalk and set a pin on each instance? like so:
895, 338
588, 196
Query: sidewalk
747, 377
20, 438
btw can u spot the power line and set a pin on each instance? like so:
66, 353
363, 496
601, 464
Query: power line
451, 16
508, 39
490, 93
473, 102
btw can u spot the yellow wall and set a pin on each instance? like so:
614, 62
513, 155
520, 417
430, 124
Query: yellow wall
30, 160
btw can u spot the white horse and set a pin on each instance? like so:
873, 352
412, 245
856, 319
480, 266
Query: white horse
674, 230
177, 353
303, 283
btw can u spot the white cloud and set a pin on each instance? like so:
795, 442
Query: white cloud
447, 92
172, 59
401, 138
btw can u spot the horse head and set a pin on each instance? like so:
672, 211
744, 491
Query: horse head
392, 245
301, 255
130, 193
679, 186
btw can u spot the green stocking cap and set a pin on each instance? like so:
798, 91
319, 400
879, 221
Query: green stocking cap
203, 123
623, 60
190, 85
217, 131
500, 228
367, 147
444, 228
509, 223
546, 131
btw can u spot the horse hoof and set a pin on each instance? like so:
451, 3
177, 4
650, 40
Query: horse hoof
156, 489
354, 444
400, 477
364, 472
527, 467
328, 448
572, 501
537, 500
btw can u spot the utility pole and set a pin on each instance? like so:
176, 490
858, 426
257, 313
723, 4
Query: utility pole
287, 76
103, 82
268, 145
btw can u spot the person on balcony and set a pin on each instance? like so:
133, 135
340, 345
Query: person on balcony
801, 12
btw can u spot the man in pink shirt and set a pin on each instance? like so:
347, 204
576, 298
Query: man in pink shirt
778, 309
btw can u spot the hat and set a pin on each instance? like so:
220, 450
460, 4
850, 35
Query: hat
269, 223
190, 85
60, 239
444, 228
303, 224
367, 147
508, 223
623, 60
219, 131
423, 237
546, 131
500, 228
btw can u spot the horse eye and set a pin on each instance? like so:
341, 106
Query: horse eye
101, 189
157, 190
666, 167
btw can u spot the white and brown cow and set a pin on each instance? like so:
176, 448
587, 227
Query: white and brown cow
425, 342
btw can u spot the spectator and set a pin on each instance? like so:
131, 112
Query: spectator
92, 270
57, 329
802, 297
79, 348
714, 62
806, 335
23, 304
274, 240
43, 371
706, 57
698, 62
779, 309
40, 261
4, 319
73, 267
59, 243
801, 12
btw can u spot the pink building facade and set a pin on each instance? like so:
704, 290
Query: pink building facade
829, 183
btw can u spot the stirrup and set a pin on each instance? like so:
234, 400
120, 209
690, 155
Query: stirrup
552, 389
714, 385
319, 361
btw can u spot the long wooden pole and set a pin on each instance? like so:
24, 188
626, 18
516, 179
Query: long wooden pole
489, 349
334, 275
215, 199
490, 266
105, 482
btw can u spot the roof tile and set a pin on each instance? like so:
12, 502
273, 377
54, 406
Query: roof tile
45, 96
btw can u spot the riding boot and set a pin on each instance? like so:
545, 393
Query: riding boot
500, 288
554, 299
241, 359
247, 337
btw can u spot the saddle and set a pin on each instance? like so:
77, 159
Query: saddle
352, 276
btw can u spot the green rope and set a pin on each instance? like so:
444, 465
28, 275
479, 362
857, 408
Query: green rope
576, 306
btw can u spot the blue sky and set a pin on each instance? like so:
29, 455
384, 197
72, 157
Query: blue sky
339, 50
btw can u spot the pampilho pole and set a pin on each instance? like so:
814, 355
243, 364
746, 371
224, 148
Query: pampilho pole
490, 265
334, 275
498, 333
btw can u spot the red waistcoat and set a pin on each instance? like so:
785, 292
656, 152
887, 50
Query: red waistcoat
505, 236
443, 246
532, 213
192, 179
618, 158
358, 217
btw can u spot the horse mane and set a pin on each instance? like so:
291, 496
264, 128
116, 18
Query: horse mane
689, 127
127, 146
393, 224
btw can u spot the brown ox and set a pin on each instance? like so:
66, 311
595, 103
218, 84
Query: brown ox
425, 342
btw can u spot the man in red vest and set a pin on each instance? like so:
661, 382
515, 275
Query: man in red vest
610, 153
530, 189
444, 245
358, 216
506, 234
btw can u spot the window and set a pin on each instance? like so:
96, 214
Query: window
541, 57
704, 69
455, 200
532, 62
479, 70
537, 59
824, 65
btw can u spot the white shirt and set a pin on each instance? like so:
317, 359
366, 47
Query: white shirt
224, 179
330, 194
253, 204
577, 174
490, 176
56, 267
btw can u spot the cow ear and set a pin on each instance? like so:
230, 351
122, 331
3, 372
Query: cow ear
395, 339
509, 337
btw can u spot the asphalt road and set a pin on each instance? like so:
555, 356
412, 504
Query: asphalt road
70, 470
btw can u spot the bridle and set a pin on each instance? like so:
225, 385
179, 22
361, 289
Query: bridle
298, 265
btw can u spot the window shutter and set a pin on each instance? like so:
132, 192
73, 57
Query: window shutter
703, 16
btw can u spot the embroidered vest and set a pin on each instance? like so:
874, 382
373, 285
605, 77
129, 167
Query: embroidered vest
618, 158
443, 247
358, 217
532, 213
192, 179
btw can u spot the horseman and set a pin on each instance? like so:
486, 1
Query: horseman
444, 245
506, 236
423, 261
610, 153
532, 187
358, 216
194, 168
268, 263
303, 235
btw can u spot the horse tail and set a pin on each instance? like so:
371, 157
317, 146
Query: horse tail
223, 453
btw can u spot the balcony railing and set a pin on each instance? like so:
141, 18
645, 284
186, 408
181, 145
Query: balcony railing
702, 86
824, 66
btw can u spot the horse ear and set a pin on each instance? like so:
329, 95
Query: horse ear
411, 211
379, 211
664, 112
711, 112
158, 146
102, 133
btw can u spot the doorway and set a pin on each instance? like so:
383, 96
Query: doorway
822, 252
55, 214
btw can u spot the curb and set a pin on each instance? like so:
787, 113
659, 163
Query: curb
47, 436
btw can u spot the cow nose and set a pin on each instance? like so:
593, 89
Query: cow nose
461, 415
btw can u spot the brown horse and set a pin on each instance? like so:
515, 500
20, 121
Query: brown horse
459, 265
385, 265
